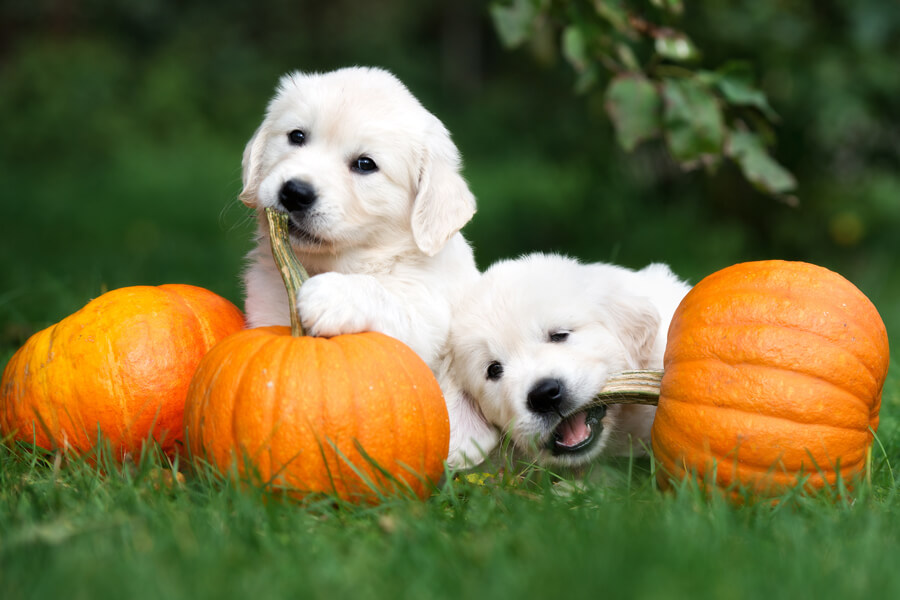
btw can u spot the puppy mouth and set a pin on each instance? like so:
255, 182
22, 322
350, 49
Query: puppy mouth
578, 432
302, 236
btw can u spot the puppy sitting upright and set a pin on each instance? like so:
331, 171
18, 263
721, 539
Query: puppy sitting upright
535, 340
371, 182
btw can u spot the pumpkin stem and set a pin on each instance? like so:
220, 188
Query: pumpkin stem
631, 387
292, 272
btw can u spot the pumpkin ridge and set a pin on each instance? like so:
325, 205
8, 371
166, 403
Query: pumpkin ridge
382, 452
861, 326
777, 467
272, 405
752, 327
694, 402
351, 350
329, 447
47, 397
202, 325
413, 393
203, 380
731, 324
851, 396
399, 445
240, 397
351, 365
419, 410
690, 446
25, 405
428, 417
686, 441
318, 371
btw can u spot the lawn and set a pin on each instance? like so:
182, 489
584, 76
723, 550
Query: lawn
69, 529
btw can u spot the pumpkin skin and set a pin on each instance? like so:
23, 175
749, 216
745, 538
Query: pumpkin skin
291, 411
773, 373
121, 364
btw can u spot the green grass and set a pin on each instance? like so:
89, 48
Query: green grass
67, 529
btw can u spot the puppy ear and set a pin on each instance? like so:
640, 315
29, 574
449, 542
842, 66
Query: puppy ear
443, 201
251, 168
636, 322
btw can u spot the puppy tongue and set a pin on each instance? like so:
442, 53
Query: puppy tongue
573, 430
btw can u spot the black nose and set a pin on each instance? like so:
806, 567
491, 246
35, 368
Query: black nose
296, 195
546, 396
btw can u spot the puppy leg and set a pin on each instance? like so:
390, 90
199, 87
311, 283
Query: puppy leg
337, 303
471, 437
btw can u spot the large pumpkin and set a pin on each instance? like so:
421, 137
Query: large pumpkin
773, 372
312, 414
354, 415
121, 365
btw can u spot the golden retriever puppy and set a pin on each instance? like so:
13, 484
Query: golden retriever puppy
371, 182
535, 339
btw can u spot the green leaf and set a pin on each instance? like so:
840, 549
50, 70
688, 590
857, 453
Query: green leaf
735, 81
627, 57
575, 48
514, 21
613, 13
748, 151
676, 46
634, 107
692, 119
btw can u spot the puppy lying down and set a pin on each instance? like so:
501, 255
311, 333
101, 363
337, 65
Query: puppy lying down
535, 339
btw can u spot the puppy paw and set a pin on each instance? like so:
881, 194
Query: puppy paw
333, 304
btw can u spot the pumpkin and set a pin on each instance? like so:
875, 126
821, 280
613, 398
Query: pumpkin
772, 377
354, 415
121, 366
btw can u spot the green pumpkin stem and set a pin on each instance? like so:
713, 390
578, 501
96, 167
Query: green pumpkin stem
631, 387
292, 272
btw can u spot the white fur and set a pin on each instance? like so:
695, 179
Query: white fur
383, 248
617, 320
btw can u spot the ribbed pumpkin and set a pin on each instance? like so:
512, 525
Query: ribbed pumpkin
297, 410
354, 415
773, 371
122, 364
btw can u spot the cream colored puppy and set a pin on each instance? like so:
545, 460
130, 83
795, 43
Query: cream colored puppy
371, 181
536, 339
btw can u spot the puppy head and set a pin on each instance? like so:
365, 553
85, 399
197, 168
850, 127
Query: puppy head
357, 162
537, 338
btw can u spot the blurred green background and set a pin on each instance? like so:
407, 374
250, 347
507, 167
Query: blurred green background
122, 125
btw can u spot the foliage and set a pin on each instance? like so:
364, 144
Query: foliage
654, 87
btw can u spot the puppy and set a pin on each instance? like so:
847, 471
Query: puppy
371, 182
535, 339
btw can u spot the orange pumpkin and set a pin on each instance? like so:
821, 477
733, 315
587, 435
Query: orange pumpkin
121, 365
354, 415
773, 374
299, 410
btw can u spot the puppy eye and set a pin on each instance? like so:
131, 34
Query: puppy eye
297, 137
559, 336
494, 371
364, 164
